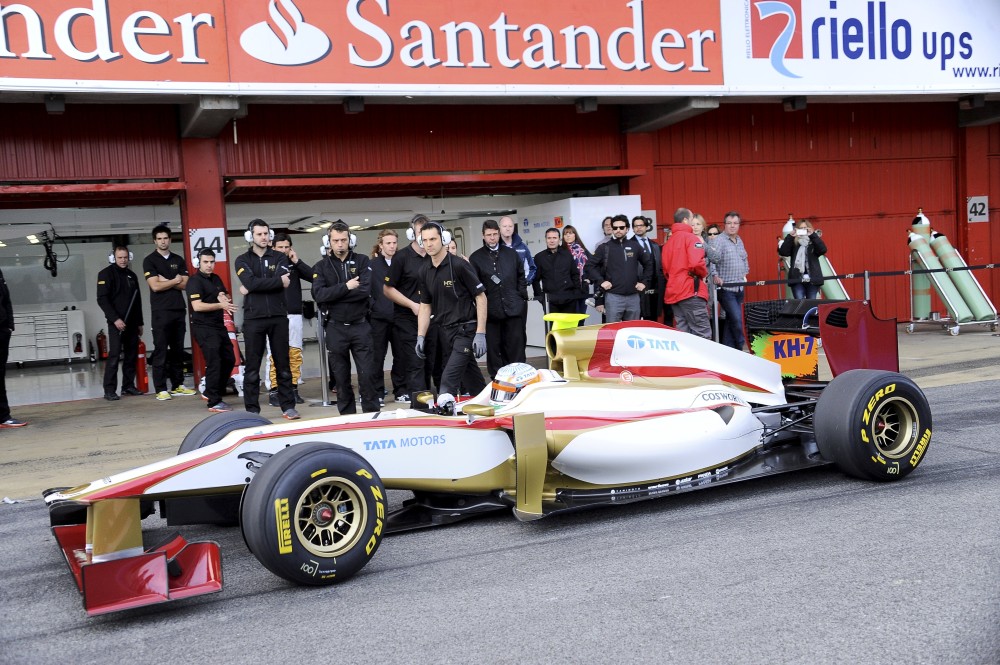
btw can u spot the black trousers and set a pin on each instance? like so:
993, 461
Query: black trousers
344, 341
217, 348
460, 366
256, 333
505, 342
405, 331
4, 352
650, 303
383, 338
167, 358
125, 343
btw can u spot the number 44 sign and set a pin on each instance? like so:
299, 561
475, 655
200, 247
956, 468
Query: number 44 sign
206, 239
979, 208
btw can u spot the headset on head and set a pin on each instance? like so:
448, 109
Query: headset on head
111, 255
248, 234
445, 233
352, 240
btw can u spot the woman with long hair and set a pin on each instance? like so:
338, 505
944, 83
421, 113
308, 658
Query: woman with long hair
804, 246
574, 243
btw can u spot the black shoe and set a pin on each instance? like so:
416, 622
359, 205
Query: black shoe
298, 398
132, 390
272, 398
111, 397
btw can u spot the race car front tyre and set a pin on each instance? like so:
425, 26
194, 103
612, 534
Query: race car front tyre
213, 428
873, 424
314, 514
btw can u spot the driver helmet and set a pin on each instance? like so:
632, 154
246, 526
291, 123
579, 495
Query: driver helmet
509, 381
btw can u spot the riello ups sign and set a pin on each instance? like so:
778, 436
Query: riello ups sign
521, 46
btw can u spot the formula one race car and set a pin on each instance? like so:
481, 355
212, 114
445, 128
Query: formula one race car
626, 412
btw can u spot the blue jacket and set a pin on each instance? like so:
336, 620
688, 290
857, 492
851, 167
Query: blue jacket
525, 254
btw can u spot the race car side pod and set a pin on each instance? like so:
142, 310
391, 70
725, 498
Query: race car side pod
920, 295
924, 256
112, 570
966, 283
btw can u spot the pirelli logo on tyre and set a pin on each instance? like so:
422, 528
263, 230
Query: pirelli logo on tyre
921, 447
284, 526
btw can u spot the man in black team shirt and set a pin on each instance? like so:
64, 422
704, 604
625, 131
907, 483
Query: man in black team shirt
453, 294
265, 274
402, 287
119, 299
167, 275
209, 299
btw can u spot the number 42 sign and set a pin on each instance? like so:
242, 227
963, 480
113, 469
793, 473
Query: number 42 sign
206, 239
979, 208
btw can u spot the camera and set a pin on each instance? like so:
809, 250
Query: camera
801, 232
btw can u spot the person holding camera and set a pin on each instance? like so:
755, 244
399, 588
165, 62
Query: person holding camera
454, 296
804, 246
341, 285
501, 271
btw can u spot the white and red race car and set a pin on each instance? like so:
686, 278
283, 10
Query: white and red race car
627, 412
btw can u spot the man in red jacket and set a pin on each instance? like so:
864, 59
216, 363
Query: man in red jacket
685, 270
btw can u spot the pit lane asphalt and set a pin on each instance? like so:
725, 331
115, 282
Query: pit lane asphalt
806, 567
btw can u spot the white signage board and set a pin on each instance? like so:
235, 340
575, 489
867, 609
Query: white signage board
213, 239
860, 47
978, 208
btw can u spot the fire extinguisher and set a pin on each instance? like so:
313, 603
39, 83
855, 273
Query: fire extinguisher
141, 376
102, 345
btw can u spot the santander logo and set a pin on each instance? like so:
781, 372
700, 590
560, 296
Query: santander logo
285, 39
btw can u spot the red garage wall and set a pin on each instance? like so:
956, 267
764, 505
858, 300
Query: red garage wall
858, 171
323, 140
88, 143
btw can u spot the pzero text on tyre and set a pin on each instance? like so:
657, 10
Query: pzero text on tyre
213, 428
314, 513
873, 424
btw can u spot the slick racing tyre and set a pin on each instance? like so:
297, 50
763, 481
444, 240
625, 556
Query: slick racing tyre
216, 426
873, 424
314, 513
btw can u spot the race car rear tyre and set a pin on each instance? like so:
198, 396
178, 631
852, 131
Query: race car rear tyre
873, 424
314, 513
218, 425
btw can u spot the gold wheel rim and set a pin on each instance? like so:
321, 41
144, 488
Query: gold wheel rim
330, 516
894, 427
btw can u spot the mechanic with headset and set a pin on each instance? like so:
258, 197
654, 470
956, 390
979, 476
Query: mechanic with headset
6, 331
402, 286
119, 299
265, 274
342, 283
209, 299
166, 274
454, 296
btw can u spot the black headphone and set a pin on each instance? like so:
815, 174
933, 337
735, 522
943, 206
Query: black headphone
445, 234
248, 234
111, 256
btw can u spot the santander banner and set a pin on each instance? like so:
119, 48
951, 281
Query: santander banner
363, 46
861, 46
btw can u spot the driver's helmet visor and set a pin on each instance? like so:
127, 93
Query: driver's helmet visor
503, 392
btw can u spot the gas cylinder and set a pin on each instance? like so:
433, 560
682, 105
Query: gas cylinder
141, 375
102, 345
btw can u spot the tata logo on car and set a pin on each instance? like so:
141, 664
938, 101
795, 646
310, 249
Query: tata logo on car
638, 343
406, 442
